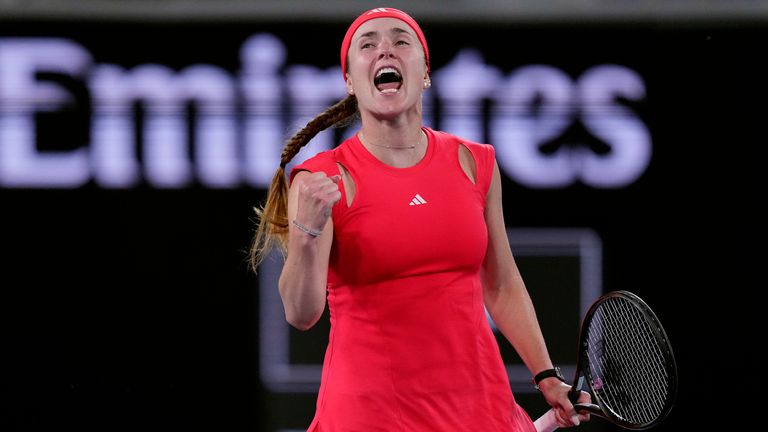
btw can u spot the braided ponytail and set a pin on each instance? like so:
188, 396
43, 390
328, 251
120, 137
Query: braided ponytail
272, 228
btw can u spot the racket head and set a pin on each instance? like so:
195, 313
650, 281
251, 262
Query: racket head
627, 361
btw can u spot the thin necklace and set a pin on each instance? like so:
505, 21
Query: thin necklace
388, 146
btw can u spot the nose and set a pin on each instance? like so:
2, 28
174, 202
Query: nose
385, 49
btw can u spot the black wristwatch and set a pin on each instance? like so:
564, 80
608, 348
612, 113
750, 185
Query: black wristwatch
548, 373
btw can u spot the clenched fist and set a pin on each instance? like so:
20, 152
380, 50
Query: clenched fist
317, 195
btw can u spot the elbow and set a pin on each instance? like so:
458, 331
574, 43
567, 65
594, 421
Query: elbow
302, 322
303, 305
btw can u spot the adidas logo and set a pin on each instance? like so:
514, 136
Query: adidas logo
417, 200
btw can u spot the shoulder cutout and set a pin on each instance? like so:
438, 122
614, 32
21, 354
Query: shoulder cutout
467, 162
348, 182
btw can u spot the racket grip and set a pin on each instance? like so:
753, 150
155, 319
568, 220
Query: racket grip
546, 423
575, 391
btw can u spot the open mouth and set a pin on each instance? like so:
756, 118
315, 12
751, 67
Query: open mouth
388, 80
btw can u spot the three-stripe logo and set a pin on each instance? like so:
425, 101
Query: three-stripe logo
417, 200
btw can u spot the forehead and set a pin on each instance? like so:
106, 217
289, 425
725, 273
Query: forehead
382, 26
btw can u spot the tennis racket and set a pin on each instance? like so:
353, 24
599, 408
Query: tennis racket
626, 359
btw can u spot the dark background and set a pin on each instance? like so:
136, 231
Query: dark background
135, 309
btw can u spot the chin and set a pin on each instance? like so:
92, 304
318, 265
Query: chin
393, 106
389, 112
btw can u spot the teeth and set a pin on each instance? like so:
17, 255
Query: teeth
387, 70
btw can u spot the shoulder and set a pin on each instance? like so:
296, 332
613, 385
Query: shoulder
482, 153
322, 162
325, 161
480, 157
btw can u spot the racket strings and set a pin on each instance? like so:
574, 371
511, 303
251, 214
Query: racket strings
624, 363
628, 366
644, 376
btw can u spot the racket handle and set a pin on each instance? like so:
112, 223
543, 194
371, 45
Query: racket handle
575, 391
590, 408
546, 423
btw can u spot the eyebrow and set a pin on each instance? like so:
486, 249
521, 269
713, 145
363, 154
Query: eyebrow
393, 30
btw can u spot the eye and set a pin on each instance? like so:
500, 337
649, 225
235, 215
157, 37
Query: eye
367, 45
402, 42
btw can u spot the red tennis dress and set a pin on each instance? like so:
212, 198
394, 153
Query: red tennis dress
410, 348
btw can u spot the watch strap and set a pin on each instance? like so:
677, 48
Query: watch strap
547, 373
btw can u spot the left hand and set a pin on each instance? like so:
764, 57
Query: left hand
556, 394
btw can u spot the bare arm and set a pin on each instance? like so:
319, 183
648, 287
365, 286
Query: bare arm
504, 292
304, 277
510, 306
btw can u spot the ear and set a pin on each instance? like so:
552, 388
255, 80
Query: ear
348, 83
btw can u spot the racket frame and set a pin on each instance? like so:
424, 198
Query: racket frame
583, 373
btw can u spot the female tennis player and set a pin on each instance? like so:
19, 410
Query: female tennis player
400, 231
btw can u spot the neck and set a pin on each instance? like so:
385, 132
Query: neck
392, 135
397, 147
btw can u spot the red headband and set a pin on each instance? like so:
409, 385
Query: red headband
380, 13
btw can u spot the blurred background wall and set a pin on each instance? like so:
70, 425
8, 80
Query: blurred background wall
137, 136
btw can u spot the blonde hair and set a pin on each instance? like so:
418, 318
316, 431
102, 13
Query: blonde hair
272, 225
